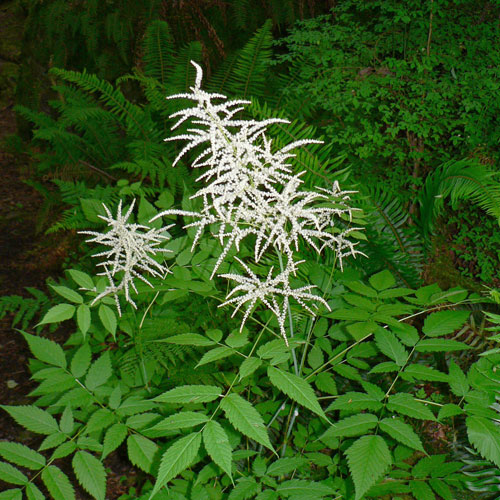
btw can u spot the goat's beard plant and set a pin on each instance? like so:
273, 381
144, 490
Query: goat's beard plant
250, 192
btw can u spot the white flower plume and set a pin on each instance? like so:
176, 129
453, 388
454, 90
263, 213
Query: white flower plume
131, 254
268, 292
252, 193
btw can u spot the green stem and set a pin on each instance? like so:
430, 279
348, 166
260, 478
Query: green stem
290, 321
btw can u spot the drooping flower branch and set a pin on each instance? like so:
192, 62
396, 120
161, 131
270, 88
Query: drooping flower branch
130, 255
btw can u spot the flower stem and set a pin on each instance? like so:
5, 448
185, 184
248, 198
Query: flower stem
290, 321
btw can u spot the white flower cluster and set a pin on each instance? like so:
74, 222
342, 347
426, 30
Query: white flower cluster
132, 248
251, 190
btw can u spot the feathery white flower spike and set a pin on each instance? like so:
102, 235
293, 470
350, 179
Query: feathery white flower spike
267, 292
132, 249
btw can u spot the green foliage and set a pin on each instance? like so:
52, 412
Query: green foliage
208, 409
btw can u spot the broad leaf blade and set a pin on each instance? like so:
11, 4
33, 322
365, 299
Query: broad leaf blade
401, 432
245, 418
190, 394
57, 483
217, 445
176, 459
296, 388
90, 474
368, 459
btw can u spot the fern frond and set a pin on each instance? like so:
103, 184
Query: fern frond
390, 243
135, 119
458, 180
250, 69
184, 73
23, 308
158, 47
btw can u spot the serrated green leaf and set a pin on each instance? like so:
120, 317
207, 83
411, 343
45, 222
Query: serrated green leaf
368, 459
458, 381
352, 426
249, 366
390, 346
382, 280
401, 432
99, 372
303, 489
385, 367
296, 388
57, 483
421, 491
485, 436
444, 322
67, 422
176, 459
100, 419
421, 372
215, 354
355, 401
83, 318
405, 404
90, 474
13, 494
245, 418
326, 383
20, 454
113, 438
46, 350
10, 474
67, 293
81, 361
245, 489
440, 345
217, 445
58, 313
108, 319
64, 450
52, 441
441, 488
82, 279
33, 493
181, 420
190, 394
33, 418
285, 466
141, 451
189, 339
449, 410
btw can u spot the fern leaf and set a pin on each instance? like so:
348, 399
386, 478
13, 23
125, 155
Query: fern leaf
158, 51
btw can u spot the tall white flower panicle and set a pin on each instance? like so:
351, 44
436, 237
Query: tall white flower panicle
252, 193
132, 247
